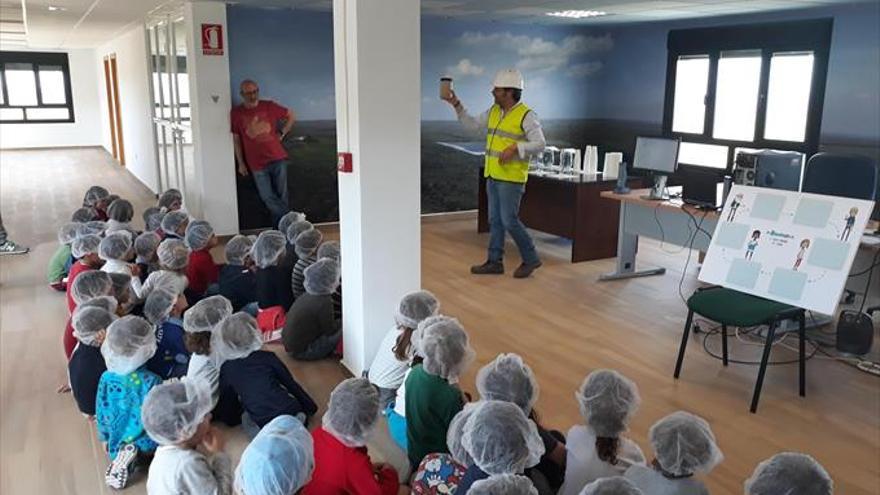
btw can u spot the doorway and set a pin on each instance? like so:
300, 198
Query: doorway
111, 83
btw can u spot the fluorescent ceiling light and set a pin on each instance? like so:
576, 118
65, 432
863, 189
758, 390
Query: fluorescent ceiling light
55, 8
577, 14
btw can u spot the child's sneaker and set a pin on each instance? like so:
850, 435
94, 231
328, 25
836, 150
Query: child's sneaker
119, 471
60, 286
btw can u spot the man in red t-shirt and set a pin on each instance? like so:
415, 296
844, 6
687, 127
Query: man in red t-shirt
258, 146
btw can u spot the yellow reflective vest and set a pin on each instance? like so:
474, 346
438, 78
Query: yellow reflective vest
502, 131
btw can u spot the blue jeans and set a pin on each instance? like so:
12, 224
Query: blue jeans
272, 186
504, 199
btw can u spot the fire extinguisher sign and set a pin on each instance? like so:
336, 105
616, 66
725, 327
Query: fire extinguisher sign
212, 39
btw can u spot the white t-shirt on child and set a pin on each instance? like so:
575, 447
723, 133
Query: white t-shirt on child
187, 471
202, 367
583, 465
400, 400
387, 371
651, 481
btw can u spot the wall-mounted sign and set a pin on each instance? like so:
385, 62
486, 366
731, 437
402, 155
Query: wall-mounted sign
212, 39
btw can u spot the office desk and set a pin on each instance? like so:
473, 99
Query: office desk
568, 207
669, 221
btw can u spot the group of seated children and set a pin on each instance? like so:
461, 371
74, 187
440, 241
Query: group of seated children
162, 341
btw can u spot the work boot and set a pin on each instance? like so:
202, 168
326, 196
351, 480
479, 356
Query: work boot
525, 270
488, 268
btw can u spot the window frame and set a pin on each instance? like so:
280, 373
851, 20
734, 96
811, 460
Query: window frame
794, 36
37, 59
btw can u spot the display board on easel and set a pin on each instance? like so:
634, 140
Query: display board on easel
791, 247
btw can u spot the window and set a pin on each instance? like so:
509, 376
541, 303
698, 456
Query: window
756, 86
35, 88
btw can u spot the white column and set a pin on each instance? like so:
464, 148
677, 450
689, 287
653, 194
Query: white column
210, 102
377, 58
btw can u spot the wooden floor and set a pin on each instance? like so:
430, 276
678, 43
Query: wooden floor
562, 321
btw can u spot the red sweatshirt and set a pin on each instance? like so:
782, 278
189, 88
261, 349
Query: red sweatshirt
75, 269
201, 271
341, 470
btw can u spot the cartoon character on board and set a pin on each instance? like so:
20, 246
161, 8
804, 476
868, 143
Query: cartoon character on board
753, 243
734, 205
850, 220
805, 244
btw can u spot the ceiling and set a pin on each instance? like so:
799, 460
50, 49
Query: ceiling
89, 23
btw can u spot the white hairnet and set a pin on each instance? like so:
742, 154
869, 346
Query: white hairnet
198, 234
85, 245
321, 277
173, 220
615, 485
164, 279
789, 473
501, 440
95, 194
684, 444
90, 284
171, 199
279, 460
173, 254
509, 379
130, 342
352, 412
206, 314
503, 484
121, 285
455, 434
238, 249
443, 343
414, 307
269, 246
607, 402
151, 220
67, 233
107, 303
95, 227
116, 246
295, 229
159, 303
331, 249
83, 215
290, 218
121, 210
146, 244
87, 321
236, 337
307, 242
172, 412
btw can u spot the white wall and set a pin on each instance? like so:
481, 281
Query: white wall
134, 100
84, 131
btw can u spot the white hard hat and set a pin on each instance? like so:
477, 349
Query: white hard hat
508, 78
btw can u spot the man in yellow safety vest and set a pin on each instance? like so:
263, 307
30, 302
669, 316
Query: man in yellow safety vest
513, 132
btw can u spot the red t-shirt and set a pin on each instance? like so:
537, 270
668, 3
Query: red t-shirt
75, 270
341, 470
257, 129
201, 271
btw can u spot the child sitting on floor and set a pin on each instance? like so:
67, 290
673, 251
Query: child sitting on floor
310, 331
59, 264
342, 464
174, 224
86, 365
395, 352
202, 273
88, 285
178, 417
120, 213
274, 295
291, 232
279, 461
331, 249
171, 199
145, 246
173, 259
85, 250
129, 344
237, 281
263, 383
306, 248
684, 445
83, 215
164, 308
97, 198
117, 251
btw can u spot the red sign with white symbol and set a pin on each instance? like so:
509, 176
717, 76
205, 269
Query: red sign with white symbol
212, 39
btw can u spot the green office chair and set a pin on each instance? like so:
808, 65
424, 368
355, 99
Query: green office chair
732, 308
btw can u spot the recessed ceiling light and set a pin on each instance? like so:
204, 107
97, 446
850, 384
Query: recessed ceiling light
55, 8
577, 14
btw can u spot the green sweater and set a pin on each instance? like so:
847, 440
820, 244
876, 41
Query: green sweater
431, 403
55, 272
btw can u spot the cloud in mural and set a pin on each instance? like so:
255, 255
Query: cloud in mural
540, 55
465, 68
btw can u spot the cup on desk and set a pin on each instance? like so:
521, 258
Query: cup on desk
445, 88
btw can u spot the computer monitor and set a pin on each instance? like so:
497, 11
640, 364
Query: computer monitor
660, 156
